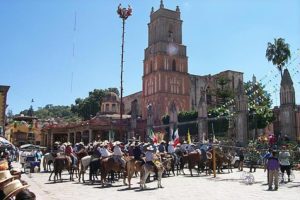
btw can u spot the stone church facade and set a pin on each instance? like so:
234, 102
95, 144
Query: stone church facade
287, 115
166, 80
165, 76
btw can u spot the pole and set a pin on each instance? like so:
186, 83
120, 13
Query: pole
123, 14
214, 161
122, 63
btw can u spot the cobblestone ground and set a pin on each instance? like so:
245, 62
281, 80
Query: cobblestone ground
224, 186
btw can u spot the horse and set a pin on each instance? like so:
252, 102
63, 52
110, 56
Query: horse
95, 165
132, 166
180, 162
83, 165
109, 164
61, 163
147, 169
169, 163
47, 160
192, 159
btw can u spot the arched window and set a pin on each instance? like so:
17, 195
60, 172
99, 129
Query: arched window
151, 66
174, 65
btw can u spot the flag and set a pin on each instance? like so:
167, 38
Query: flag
175, 138
151, 134
155, 139
189, 137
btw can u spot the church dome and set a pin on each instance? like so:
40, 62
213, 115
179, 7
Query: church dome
111, 97
110, 103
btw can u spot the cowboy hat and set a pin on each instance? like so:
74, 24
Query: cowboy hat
13, 188
116, 143
5, 175
178, 145
81, 143
150, 148
209, 155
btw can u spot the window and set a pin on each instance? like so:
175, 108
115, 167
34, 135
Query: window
174, 65
107, 107
151, 66
113, 108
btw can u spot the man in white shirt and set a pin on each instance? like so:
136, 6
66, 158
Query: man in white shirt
284, 161
118, 154
104, 151
171, 149
191, 148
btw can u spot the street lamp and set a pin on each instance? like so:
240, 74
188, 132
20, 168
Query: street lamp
123, 14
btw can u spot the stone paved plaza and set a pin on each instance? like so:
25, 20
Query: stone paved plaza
224, 186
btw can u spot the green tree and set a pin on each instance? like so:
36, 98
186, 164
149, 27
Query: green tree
278, 53
259, 104
223, 93
51, 111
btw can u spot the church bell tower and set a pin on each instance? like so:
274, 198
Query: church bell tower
165, 77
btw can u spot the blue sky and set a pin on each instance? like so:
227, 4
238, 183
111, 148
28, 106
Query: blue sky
37, 37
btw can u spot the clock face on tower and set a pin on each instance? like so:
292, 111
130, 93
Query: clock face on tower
172, 49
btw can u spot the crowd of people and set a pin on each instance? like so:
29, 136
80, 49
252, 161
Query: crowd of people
11, 184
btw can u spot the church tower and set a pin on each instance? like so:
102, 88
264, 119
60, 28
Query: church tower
165, 77
287, 116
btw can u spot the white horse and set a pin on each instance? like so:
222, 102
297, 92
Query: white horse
147, 169
48, 158
83, 165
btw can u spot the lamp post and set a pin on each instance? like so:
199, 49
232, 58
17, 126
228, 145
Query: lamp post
123, 14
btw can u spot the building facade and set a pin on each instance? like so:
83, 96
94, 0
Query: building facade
165, 76
3, 95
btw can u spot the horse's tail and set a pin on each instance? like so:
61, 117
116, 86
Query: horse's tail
44, 163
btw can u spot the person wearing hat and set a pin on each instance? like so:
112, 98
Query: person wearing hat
118, 154
162, 147
104, 150
137, 153
273, 170
25, 194
184, 147
284, 160
5, 178
80, 146
191, 147
69, 152
12, 189
149, 156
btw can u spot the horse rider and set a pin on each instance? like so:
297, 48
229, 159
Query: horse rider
191, 147
149, 157
162, 147
184, 147
118, 154
104, 150
171, 151
62, 147
80, 146
69, 152
137, 153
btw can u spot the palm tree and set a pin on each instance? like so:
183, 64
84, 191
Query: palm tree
279, 53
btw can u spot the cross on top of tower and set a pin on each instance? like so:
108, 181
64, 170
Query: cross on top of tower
161, 4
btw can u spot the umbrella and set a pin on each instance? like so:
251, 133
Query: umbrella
4, 141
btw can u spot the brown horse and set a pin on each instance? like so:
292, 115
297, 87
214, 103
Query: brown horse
109, 164
193, 159
132, 166
60, 163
